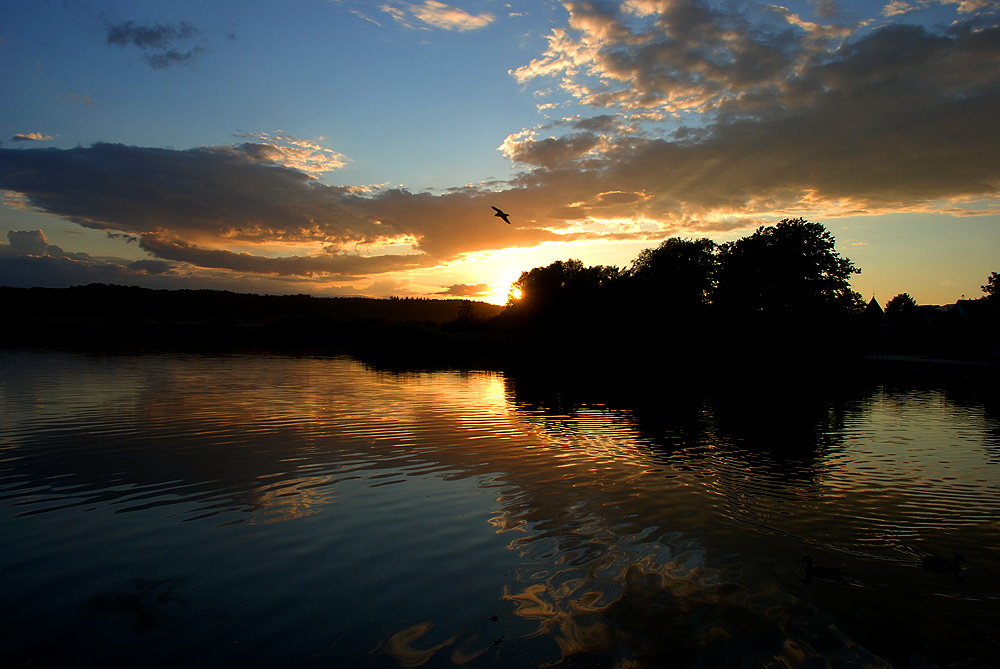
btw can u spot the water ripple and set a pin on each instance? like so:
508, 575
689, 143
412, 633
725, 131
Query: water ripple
427, 505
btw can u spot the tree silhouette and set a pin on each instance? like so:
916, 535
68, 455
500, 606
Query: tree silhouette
992, 312
992, 288
679, 272
900, 304
562, 288
467, 311
786, 271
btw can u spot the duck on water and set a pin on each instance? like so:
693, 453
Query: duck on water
940, 565
819, 571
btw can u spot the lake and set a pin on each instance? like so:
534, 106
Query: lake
200, 511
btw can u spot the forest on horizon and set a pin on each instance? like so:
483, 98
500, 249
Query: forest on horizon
783, 290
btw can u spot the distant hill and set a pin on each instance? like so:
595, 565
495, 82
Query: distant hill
131, 316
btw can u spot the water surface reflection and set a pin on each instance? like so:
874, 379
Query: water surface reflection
258, 511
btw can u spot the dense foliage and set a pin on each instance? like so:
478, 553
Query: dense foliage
900, 305
789, 270
782, 293
992, 287
679, 271
783, 290
561, 288
779, 274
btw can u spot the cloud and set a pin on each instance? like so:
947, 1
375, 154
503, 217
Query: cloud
437, 15
159, 61
30, 137
158, 36
333, 266
150, 266
468, 290
826, 9
791, 115
193, 205
82, 98
361, 15
34, 243
157, 41
307, 156
389, 287
552, 152
897, 8
690, 59
705, 121
29, 260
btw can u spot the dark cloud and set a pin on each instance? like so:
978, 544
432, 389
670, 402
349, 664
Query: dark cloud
151, 266
188, 205
467, 290
34, 243
29, 260
157, 36
792, 114
826, 9
551, 152
604, 122
334, 266
59, 272
688, 58
159, 61
157, 41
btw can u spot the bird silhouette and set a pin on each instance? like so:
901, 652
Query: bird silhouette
501, 215
819, 571
940, 565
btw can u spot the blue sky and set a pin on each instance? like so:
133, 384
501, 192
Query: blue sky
355, 148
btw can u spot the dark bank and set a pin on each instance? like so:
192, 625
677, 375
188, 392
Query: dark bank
778, 298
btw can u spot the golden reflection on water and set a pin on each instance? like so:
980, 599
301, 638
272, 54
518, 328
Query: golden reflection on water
635, 541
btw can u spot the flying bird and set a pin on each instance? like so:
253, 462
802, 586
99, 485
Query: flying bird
501, 215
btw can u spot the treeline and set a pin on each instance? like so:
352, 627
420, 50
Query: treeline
783, 285
125, 304
970, 328
129, 318
782, 294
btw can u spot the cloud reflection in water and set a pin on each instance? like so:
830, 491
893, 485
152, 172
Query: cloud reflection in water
428, 504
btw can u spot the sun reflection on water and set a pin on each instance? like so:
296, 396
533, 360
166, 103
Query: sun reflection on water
560, 530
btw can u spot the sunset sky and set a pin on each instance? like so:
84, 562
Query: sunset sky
355, 148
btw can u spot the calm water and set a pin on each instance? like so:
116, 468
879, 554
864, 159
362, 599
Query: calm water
251, 512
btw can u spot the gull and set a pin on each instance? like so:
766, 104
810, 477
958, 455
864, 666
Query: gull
501, 215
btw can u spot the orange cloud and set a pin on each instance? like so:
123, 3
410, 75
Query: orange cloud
30, 137
438, 15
